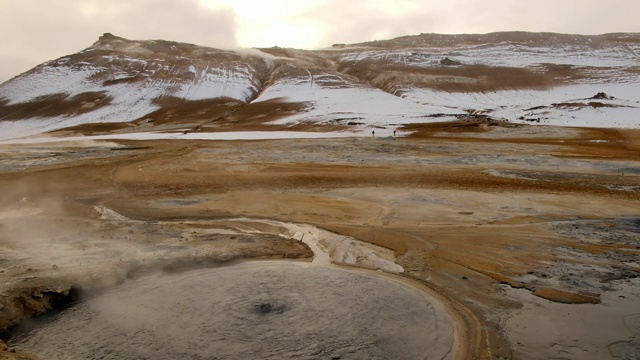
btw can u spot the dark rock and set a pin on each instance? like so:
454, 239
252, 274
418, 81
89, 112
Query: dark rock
448, 62
602, 96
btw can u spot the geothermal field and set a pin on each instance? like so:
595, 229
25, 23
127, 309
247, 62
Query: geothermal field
426, 197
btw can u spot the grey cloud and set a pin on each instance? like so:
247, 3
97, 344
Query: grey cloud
371, 23
566, 16
356, 22
34, 31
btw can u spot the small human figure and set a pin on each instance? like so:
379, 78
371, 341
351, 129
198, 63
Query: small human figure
373, 133
394, 133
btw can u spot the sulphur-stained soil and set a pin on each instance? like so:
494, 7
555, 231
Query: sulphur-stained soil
498, 223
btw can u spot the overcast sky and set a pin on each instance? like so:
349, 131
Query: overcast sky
33, 31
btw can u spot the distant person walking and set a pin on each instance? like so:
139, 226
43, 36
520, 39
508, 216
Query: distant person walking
394, 133
373, 133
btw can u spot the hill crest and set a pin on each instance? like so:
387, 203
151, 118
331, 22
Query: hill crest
158, 85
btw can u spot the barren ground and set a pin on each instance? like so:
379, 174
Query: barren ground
501, 223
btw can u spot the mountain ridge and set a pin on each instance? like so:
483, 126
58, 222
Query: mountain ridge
164, 85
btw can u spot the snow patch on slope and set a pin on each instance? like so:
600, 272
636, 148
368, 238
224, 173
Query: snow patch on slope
131, 100
513, 105
507, 54
211, 83
362, 105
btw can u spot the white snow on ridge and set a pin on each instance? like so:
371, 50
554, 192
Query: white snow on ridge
210, 83
516, 55
47, 81
513, 104
359, 104
372, 107
134, 84
131, 100
596, 117
605, 66
505, 54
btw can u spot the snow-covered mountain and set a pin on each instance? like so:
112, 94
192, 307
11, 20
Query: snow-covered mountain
119, 86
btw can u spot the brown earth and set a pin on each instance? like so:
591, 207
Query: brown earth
55, 105
467, 207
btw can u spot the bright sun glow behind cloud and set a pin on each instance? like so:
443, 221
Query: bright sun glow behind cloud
302, 24
280, 22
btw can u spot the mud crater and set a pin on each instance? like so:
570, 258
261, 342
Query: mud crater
268, 308
249, 310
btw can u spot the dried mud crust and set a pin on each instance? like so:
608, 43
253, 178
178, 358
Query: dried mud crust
566, 297
9, 353
622, 230
429, 199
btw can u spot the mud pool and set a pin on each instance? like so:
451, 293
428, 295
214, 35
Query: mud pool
260, 309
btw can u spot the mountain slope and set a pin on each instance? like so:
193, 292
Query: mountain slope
505, 74
119, 85
117, 80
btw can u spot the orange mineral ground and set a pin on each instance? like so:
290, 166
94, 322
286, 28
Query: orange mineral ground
500, 229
